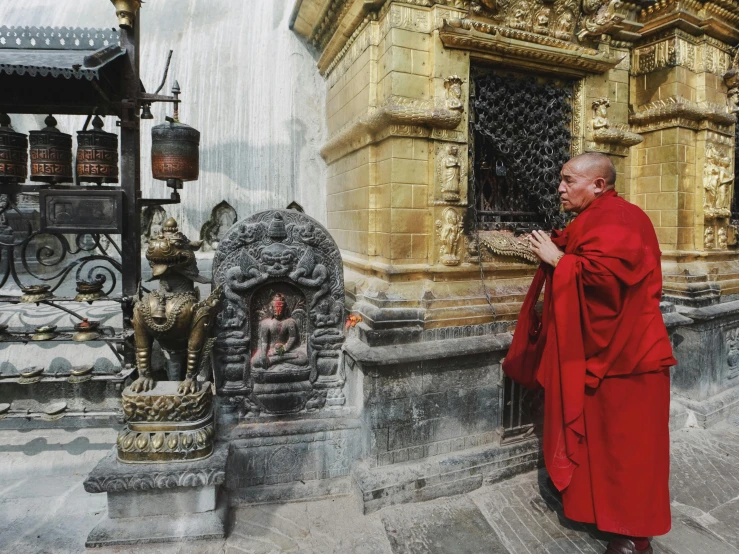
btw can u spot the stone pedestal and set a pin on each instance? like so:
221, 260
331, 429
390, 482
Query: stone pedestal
155, 502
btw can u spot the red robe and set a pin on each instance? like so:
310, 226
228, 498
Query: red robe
605, 370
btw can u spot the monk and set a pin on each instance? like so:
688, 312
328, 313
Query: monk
602, 354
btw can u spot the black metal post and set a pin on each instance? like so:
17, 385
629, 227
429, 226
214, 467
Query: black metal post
130, 178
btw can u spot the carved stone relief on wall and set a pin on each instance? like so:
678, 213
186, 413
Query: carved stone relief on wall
617, 138
222, 217
280, 331
449, 231
731, 78
451, 170
718, 179
732, 353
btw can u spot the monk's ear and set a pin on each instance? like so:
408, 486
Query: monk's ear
600, 185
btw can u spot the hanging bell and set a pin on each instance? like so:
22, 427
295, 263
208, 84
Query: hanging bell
51, 154
97, 155
175, 149
13, 153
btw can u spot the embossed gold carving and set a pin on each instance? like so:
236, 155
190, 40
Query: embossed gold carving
399, 112
453, 86
518, 42
605, 133
601, 17
731, 78
449, 231
676, 109
163, 425
505, 243
718, 180
449, 171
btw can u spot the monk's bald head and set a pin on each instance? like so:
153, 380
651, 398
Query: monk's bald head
595, 165
583, 179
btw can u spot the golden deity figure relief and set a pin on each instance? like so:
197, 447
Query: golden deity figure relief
453, 86
449, 172
600, 113
449, 231
718, 181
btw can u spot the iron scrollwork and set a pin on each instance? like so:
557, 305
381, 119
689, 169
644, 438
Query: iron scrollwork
87, 255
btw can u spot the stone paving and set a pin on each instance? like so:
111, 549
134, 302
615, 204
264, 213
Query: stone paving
44, 509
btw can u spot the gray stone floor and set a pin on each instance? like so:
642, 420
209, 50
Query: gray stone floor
44, 509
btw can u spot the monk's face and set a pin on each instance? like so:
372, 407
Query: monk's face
579, 185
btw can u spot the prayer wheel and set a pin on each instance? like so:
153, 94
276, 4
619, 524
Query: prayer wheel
13, 153
97, 155
175, 152
51, 154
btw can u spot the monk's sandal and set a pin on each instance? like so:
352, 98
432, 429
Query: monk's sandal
625, 546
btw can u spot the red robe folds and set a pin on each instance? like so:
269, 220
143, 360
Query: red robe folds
605, 370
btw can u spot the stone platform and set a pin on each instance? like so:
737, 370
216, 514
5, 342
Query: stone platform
153, 503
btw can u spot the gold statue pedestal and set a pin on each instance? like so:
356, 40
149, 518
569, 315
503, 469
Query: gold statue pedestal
164, 479
165, 426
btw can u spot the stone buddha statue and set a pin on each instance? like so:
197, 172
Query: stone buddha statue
279, 345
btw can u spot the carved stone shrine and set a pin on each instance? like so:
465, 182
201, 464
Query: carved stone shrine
279, 333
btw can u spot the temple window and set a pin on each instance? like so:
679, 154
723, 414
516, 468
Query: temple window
520, 129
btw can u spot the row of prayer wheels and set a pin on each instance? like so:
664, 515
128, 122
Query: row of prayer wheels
175, 154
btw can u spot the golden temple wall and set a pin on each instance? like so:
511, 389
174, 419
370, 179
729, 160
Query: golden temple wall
392, 121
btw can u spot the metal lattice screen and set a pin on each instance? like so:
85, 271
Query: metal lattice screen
521, 132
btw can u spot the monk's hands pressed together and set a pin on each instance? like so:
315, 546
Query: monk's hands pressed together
542, 245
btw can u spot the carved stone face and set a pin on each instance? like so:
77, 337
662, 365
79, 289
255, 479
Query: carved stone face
278, 306
453, 150
277, 259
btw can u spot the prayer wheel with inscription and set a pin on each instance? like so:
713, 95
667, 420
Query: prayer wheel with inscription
51, 154
13, 153
97, 155
175, 152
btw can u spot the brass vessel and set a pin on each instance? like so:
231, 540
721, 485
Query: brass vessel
36, 293
97, 155
125, 11
80, 374
32, 375
45, 332
89, 290
13, 153
51, 154
86, 330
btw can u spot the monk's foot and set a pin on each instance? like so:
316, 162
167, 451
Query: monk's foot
622, 545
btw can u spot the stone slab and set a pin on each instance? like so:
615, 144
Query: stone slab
370, 356
110, 475
712, 410
291, 492
442, 475
454, 525
182, 500
158, 529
